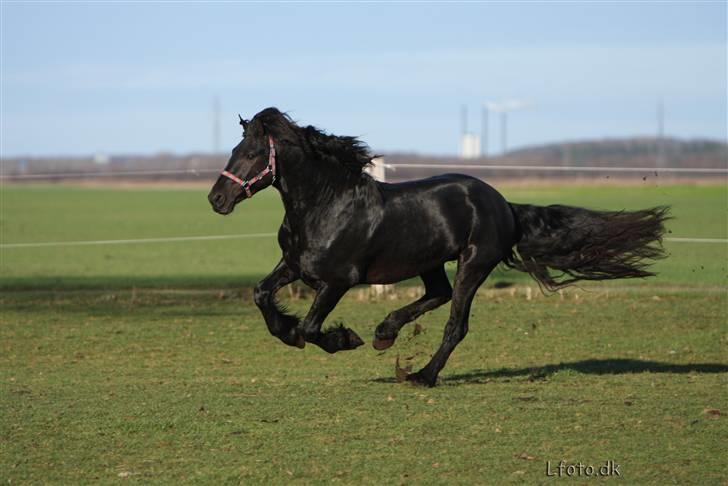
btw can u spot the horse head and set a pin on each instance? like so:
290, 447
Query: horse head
251, 168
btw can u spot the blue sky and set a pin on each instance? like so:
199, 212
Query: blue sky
82, 78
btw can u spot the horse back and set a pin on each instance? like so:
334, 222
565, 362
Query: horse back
430, 221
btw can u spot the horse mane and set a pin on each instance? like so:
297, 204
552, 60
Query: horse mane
348, 152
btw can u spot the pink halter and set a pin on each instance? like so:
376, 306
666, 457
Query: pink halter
269, 169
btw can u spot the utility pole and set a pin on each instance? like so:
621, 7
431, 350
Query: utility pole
484, 131
660, 133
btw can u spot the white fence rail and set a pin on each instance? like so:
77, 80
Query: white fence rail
381, 168
378, 171
176, 239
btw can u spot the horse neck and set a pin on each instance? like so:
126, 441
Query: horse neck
304, 187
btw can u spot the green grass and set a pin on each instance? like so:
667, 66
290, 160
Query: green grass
168, 387
52, 213
106, 376
59, 213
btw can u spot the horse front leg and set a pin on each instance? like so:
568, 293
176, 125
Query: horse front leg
283, 326
333, 339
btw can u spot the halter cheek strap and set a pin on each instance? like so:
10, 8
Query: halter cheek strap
247, 184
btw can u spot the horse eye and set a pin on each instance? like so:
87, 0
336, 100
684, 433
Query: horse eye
251, 155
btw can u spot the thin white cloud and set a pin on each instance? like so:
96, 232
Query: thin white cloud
395, 98
576, 70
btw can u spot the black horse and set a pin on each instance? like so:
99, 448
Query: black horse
342, 228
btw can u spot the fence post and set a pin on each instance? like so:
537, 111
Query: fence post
378, 171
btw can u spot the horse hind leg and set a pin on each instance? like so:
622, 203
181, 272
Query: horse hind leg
472, 272
437, 292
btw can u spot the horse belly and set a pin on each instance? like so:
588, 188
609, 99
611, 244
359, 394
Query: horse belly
386, 272
399, 262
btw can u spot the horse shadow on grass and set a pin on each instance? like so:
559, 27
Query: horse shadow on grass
615, 366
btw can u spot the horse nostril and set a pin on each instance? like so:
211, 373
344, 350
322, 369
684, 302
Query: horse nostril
217, 200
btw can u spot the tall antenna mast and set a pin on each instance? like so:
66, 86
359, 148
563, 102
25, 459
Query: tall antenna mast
463, 120
504, 131
502, 108
216, 125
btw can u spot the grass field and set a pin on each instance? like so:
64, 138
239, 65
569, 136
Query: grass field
54, 214
147, 362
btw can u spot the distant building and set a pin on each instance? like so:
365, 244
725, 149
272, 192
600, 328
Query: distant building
101, 159
469, 146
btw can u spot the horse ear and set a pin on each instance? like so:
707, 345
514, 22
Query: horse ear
243, 123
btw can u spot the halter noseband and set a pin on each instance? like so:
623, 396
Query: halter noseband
247, 184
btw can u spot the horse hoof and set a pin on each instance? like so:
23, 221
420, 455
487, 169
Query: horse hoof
418, 379
337, 339
300, 341
353, 340
293, 338
381, 344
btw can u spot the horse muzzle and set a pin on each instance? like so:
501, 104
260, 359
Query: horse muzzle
222, 203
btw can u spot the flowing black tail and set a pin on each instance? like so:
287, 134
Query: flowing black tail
559, 245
